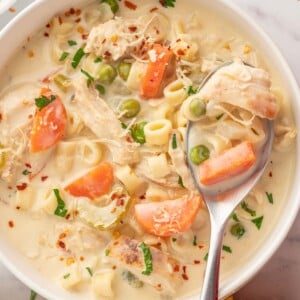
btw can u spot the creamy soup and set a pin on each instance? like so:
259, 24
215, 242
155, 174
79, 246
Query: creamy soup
95, 188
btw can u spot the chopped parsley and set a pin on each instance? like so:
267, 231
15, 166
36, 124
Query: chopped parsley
132, 279
60, 209
167, 3
227, 249
100, 88
180, 181
63, 56
89, 271
235, 217
195, 241
174, 142
192, 90
33, 295
97, 60
219, 117
26, 172
147, 259
72, 43
89, 77
137, 132
206, 257
174, 240
247, 209
67, 276
270, 197
77, 58
43, 101
237, 230
107, 251
258, 222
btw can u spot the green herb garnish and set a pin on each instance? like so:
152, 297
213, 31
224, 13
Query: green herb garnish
237, 230
60, 210
167, 3
195, 241
43, 101
227, 249
77, 58
180, 181
90, 271
147, 259
137, 132
206, 257
33, 295
107, 251
100, 88
247, 209
258, 222
219, 117
174, 142
235, 217
174, 240
89, 77
26, 172
192, 90
67, 276
270, 197
63, 56
72, 43
97, 60
132, 279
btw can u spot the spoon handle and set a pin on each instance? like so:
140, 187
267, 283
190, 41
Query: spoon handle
210, 286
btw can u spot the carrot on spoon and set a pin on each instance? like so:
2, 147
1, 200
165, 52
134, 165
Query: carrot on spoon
160, 71
169, 217
232, 162
95, 183
49, 122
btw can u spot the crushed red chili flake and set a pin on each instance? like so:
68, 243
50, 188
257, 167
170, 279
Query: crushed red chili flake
22, 186
132, 28
78, 12
159, 286
176, 268
27, 165
10, 187
11, 9
120, 202
85, 36
61, 244
68, 216
153, 9
67, 14
130, 5
184, 269
62, 235
18, 207
180, 52
78, 20
114, 267
44, 178
81, 258
11, 224
200, 246
1, 117
185, 277
60, 21
270, 174
46, 34
72, 11
197, 262
143, 197
107, 53
48, 25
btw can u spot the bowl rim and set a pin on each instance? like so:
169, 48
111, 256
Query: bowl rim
281, 228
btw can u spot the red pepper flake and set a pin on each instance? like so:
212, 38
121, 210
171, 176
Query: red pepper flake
114, 267
103, 41
178, 40
116, 243
78, 20
184, 269
18, 207
72, 11
10, 187
27, 165
30, 116
81, 258
44, 178
68, 216
12, 10
132, 28
176, 268
78, 12
159, 286
11, 224
107, 53
270, 174
200, 246
197, 262
60, 21
185, 277
143, 197
22, 186
130, 5
62, 235
48, 25
46, 34
67, 14
85, 36
120, 202
1, 117
180, 52
153, 9
30, 53
61, 244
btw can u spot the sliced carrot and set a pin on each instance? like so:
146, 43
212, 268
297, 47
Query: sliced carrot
49, 124
159, 73
95, 183
232, 162
169, 217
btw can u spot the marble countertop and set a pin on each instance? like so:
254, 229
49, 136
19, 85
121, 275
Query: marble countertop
279, 279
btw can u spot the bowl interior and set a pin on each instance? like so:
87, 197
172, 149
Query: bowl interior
35, 16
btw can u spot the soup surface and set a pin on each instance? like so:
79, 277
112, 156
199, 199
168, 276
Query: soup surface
95, 189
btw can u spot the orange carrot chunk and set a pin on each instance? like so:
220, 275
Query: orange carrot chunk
95, 183
160, 72
169, 217
49, 123
232, 162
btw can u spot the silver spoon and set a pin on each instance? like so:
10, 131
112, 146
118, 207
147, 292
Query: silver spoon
220, 211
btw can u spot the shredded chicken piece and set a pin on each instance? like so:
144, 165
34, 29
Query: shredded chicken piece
178, 158
126, 252
121, 37
103, 122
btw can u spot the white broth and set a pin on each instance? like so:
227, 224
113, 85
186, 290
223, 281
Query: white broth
95, 190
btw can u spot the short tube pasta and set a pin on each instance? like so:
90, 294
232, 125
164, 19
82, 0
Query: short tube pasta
158, 132
175, 93
90, 153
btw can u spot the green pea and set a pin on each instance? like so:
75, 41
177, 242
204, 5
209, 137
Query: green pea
199, 154
132, 108
62, 82
237, 230
113, 5
124, 70
197, 107
106, 73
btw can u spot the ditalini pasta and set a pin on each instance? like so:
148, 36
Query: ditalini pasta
93, 118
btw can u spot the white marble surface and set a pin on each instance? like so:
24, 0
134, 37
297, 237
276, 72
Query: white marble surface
279, 279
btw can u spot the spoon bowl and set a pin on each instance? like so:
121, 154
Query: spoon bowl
222, 199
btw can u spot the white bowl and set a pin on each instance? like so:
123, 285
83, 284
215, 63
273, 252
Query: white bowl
34, 17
